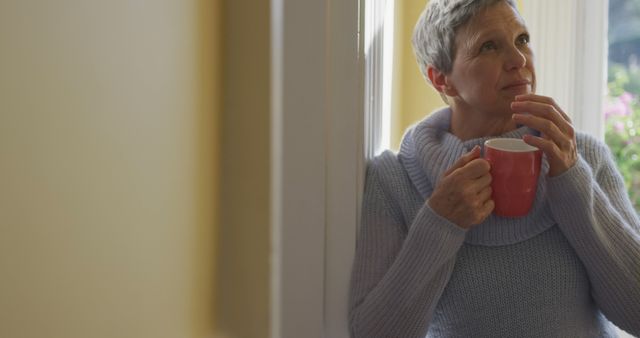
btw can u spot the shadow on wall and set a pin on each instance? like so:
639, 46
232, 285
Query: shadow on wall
242, 296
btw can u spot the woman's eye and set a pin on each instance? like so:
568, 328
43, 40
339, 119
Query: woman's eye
523, 39
488, 46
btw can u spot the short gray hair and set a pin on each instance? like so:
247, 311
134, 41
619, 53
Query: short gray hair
435, 32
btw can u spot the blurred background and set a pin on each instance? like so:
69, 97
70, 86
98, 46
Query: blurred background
134, 168
622, 107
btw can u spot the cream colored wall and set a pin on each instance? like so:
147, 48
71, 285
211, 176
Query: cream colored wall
416, 98
107, 168
243, 283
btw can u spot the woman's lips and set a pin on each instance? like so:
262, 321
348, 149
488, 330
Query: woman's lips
520, 87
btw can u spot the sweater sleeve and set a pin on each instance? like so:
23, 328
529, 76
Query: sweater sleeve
399, 271
594, 212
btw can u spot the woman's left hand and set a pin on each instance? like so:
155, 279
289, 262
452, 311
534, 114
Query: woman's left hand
558, 139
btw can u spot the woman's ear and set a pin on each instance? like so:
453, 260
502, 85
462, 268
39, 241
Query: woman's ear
440, 82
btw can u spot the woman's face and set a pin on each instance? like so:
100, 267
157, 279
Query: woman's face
493, 61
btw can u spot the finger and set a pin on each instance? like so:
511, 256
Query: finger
543, 110
488, 206
544, 99
548, 147
462, 161
485, 194
484, 181
548, 129
475, 169
476, 187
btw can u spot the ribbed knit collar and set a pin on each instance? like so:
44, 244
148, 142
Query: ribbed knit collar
428, 149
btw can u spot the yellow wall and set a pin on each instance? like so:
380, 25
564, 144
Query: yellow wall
243, 268
108, 166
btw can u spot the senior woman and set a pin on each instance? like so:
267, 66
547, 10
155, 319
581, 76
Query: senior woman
432, 260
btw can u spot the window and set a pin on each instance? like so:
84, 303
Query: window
378, 53
622, 107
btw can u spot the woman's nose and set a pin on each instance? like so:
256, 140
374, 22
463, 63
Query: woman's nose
514, 58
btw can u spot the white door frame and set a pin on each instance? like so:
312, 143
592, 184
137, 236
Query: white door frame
317, 163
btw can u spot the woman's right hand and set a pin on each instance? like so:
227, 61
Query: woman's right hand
463, 195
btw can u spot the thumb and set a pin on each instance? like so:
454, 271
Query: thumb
463, 160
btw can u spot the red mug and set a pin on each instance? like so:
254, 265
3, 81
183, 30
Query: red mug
515, 167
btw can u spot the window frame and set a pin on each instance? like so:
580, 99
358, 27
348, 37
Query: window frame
576, 79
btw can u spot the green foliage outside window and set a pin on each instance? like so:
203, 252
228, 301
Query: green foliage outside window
622, 124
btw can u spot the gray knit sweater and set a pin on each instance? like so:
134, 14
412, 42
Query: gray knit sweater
565, 270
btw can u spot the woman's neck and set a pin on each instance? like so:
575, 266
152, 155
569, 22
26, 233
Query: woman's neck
468, 125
